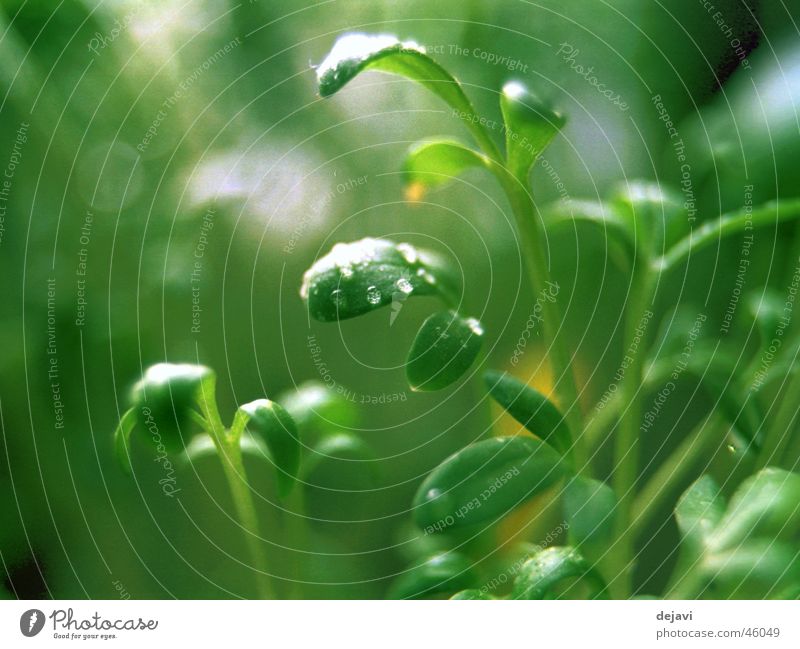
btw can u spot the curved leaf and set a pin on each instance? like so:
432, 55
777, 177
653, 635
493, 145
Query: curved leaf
339, 461
443, 350
620, 242
441, 573
531, 409
540, 574
122, 440
765, 505
315, 407
434, 163
358, 277
767, 309
698, 512
484, 481
655, 215
269, 422
165, 397
530, 125
753, 570
357, 52
589, 508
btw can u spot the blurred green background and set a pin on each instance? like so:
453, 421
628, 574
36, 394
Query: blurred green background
169, 154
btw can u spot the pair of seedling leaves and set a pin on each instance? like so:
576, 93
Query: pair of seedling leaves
173, 406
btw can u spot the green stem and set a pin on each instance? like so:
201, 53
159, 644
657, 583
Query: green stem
297, 533
779, 432
531, 233
230, 452
626, 443
772, 213
233, 467
665, 483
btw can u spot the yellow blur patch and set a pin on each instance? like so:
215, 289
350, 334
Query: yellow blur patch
415, 192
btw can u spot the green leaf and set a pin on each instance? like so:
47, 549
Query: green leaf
531, 409
440, 574
655, 215
339, 461
766, 505
444, 349
164, 399
315, 407
698, 512
767, 308
739, 551
355, 53
358, 277
122, 440
539, 575
435, 163
530, 125
752, 570
618, 236
589, 508
472, 593
484, 481
269, 422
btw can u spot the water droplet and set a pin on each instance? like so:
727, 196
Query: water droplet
373, 295
404, 285
475, 326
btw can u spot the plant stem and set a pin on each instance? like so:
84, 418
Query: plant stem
297, 533
704, 439
532, 235
233, 467
626, 443
230, 453
779, 432
771, 213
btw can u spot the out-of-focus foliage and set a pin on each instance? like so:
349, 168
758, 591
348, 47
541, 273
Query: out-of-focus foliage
170, 172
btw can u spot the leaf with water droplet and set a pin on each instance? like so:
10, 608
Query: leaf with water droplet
531, 409
530, 125
445, 347
357, 52
485, 481
435, 163
358, 277
589, 508
442, 573
269, 422
539, 575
